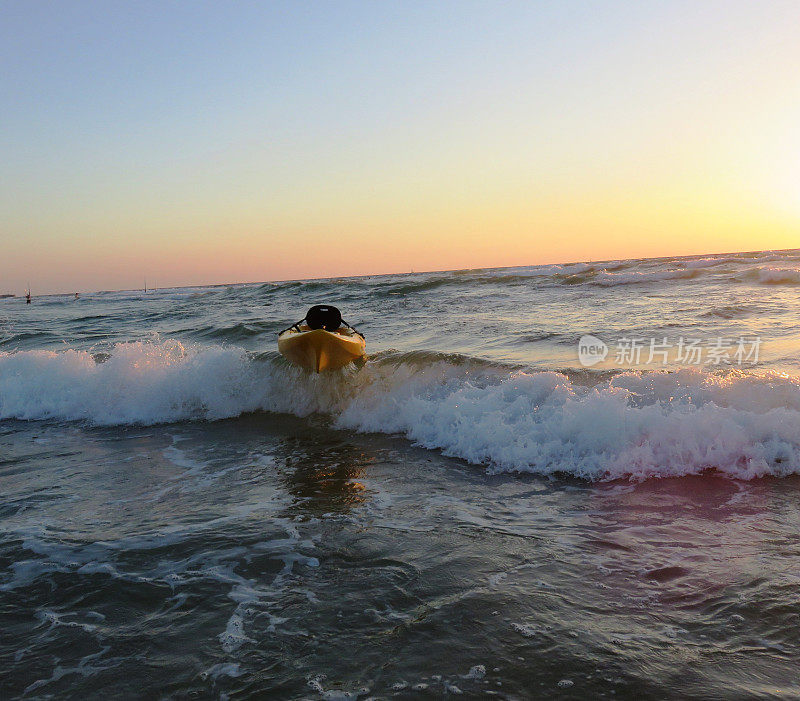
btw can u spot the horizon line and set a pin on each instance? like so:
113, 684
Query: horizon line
413, 272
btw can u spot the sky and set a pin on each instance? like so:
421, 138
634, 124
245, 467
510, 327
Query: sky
211, 142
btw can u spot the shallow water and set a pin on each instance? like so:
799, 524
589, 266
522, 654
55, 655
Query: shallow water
185, 515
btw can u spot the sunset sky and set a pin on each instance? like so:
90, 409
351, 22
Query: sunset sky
207, 142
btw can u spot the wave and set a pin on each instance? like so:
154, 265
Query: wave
536, 336
572, 273
15, 339
732, 311
305, 285
712, 262
391, 285
631, 425
604, 274
238, 332
768, 276
606, 279
413, 286
611, 275
778, 276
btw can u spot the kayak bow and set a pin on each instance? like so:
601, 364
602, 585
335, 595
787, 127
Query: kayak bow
319, 350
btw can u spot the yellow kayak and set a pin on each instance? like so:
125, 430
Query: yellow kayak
319, 350
321, 341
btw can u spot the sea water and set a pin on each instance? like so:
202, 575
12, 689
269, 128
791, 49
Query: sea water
491, 505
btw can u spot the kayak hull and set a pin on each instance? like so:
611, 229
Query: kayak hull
319, 350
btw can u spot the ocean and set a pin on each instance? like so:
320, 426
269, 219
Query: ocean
561, 481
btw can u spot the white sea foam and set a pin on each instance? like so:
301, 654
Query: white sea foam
713, 262
541, 270
223, 669
635, 425
252, 597
141, 383
631, 278
778, 276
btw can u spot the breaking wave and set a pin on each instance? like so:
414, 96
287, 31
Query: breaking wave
631, 278
630, 425
732, 267
778, 276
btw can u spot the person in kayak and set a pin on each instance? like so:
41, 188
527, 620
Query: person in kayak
323, 316
322, 340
